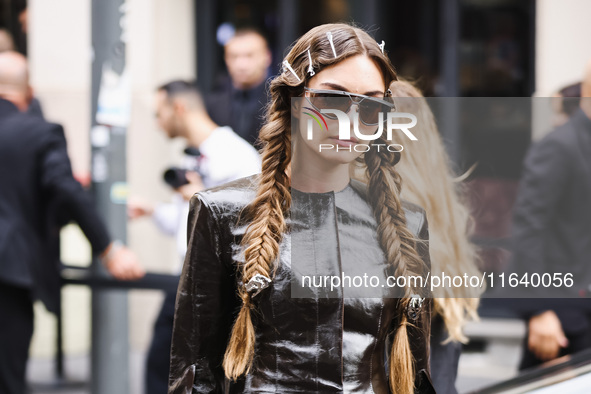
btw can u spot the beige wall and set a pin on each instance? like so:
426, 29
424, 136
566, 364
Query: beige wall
563, 29
160, 47
562, 50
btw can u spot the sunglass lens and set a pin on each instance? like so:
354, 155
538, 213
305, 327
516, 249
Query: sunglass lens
330, 101
369, 111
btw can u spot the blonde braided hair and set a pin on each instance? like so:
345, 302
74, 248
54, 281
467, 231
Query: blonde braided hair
262, 237
399, 245
430, 183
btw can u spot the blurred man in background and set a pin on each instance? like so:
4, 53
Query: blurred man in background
216, 155
239, 102
565, 103
7, 45
35, 171
552, 229
6, 41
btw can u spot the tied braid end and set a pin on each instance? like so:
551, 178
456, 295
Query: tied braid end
237, 361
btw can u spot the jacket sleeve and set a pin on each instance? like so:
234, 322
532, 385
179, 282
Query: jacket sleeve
59, 183
166, 216
205, 306
546, 174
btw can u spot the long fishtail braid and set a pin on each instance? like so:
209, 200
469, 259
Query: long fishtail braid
399, 245
263, 235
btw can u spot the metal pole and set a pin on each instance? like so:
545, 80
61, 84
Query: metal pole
205, 12
450, 65
450, 40
288, 32
59, 343
110, 116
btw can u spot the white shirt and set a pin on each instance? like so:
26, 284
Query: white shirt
225, 156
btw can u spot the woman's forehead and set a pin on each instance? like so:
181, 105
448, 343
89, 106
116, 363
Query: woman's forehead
357, 74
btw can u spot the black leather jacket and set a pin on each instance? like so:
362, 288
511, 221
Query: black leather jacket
322, 343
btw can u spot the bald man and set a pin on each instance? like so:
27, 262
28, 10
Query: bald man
34, 172
552, 233
7, 45
6, 41
14, 80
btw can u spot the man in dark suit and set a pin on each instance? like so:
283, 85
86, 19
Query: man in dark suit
34, 172
552, 233
239, 102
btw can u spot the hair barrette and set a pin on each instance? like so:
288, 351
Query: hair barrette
382, 45
288, 66
414, 307
310, 67
329, 35
256, 284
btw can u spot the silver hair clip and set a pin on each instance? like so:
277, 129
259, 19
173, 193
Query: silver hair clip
334, 52
288, 66
257, 284
382, 45
310, 68
414, 307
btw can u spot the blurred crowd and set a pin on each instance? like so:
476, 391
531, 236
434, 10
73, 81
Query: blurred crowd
550, 222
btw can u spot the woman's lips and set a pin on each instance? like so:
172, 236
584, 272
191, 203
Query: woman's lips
350, 142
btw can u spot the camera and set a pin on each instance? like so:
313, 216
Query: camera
176, 177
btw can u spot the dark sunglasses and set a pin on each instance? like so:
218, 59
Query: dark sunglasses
369, 107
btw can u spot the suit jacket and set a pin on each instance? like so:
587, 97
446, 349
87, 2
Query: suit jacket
552, 217
242, 110
309, 338
35, 173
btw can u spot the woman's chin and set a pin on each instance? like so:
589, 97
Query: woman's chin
340, 157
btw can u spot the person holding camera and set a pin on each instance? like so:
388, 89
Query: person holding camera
215, 155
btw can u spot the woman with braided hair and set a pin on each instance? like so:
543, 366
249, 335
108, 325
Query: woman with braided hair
246, 318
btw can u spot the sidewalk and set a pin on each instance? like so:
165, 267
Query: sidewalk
41, 375
477, 369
